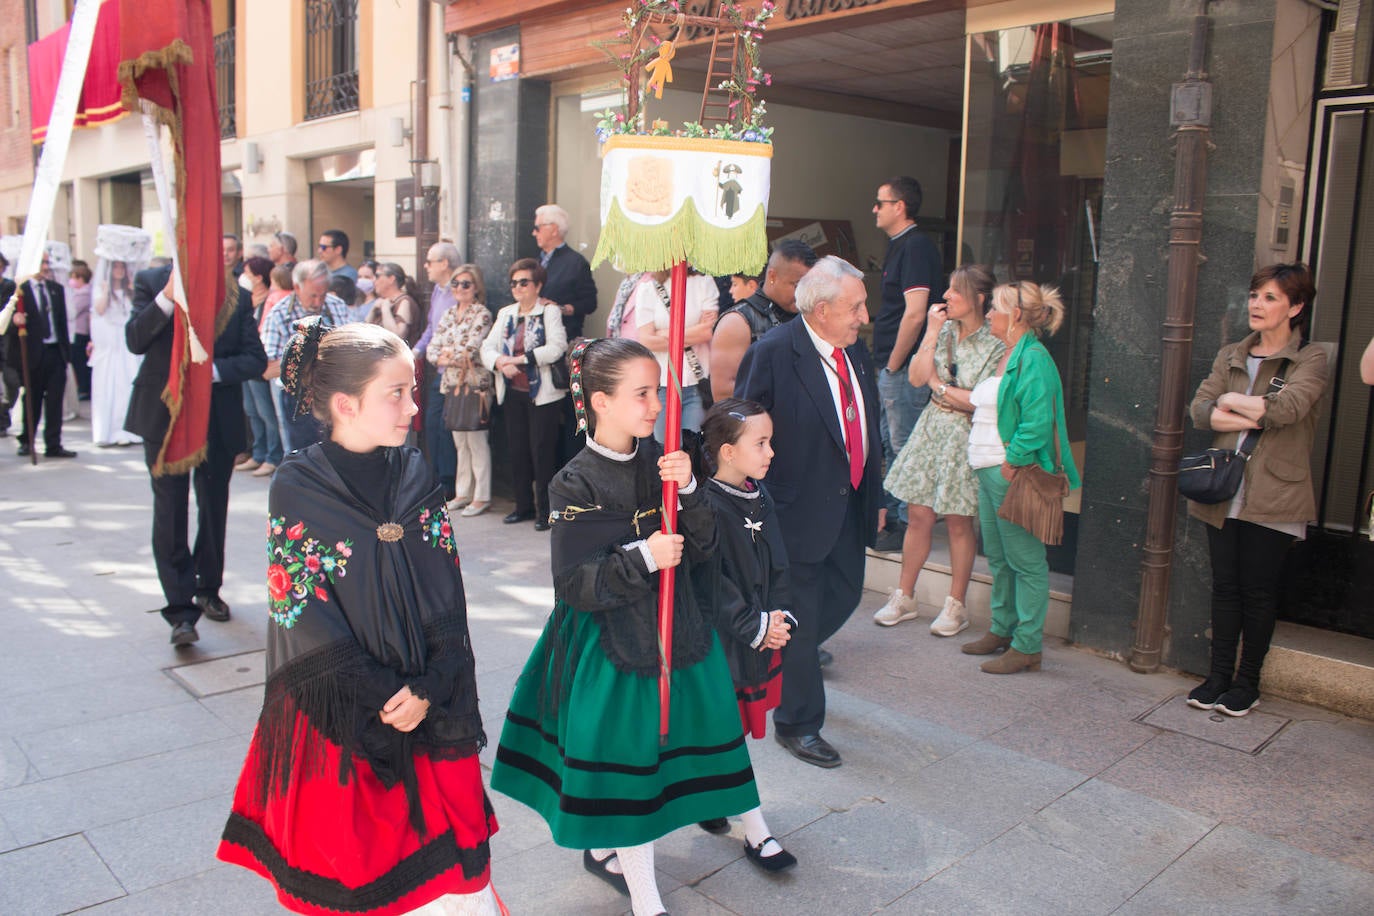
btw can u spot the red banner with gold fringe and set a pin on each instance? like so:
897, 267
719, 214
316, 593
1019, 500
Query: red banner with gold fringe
100, 93
167, 58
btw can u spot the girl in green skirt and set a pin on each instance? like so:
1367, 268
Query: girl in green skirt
580, 744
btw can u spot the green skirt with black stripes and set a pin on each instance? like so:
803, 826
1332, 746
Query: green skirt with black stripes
591, 764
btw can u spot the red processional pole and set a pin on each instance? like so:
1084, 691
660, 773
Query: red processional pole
672, 441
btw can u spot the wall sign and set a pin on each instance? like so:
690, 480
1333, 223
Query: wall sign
505, 62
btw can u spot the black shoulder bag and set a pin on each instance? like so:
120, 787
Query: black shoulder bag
1214, 476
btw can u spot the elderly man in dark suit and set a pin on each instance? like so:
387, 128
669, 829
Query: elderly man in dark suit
190, 577
569, 282
818, 383
49, 351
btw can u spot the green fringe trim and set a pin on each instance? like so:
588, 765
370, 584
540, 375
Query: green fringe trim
633, 247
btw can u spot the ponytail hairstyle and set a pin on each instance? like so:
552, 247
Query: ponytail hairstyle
974, 281
597, 365
321, 362
723, 425
1042, 308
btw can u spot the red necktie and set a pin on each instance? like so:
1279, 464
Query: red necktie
853, 430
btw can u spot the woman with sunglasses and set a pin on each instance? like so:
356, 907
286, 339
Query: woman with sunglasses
456, 351
526, 339
394, 307
931, 474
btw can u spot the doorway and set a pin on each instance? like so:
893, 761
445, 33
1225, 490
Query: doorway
1330, 581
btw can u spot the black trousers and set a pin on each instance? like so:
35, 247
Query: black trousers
532, 440
185, 570
824, 596
80, 368
48, 380
439, 448
1247, 571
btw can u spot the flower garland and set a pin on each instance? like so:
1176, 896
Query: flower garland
746, 110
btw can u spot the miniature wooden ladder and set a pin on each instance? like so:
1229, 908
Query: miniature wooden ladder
715, 102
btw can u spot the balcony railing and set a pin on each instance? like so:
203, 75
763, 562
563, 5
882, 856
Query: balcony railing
331, 57
224, 84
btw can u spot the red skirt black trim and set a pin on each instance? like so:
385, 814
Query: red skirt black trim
351, 848
756, 700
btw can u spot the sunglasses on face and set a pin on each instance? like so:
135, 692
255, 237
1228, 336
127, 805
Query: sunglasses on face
880, 203
522, 282
462, 284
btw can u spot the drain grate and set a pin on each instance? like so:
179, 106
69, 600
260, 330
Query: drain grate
1249, 734
221, 675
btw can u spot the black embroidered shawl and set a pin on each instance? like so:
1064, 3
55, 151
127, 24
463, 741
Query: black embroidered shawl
361, 605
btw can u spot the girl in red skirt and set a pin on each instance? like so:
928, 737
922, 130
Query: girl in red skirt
362, 792
745, 586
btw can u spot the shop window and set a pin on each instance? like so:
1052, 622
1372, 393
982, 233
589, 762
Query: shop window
331, 57
224, 83
1035, 156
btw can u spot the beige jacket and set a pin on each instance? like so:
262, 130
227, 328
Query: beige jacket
1278, 476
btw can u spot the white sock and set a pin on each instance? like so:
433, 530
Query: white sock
601, 855
756, 831
482, 903
637, 862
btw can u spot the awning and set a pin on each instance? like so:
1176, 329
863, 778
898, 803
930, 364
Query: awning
99, 102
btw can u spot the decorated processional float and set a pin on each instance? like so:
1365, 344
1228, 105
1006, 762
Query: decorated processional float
695, 194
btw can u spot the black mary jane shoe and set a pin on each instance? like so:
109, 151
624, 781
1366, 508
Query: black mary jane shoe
716, 825
776, 862
598, 868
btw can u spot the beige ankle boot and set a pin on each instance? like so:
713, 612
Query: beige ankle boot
1012, 662
986, 644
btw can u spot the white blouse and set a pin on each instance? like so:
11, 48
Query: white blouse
985, 449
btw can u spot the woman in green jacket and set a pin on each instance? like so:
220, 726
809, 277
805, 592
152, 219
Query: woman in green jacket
1017, 415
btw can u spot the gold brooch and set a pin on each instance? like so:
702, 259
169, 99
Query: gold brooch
390, 532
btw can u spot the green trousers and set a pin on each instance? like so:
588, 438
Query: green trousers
1020, 571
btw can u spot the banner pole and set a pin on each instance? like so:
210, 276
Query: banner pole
672, 441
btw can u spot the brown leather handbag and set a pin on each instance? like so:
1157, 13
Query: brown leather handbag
1035, 497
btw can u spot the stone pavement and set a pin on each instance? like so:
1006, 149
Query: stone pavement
1084, 788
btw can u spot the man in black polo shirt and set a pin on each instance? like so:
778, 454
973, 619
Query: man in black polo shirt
770, 305
913, 276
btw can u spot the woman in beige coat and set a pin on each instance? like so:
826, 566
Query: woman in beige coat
1249, 535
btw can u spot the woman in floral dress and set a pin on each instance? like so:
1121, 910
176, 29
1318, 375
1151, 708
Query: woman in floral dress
932, 473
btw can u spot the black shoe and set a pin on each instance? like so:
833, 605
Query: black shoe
590, 863
1206, 694
24, 450
183, 634
541, 524
776, 862
1239, 700
825, 658
716, 825
518, 516
812, 749
59, 452
890, 541
213, 607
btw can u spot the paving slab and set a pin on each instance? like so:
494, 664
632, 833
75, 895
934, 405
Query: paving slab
237, 709
14, 764
225, 890
550, 881
154, 849
54, 877
51, 808
8, 840
1248, 733
221, 675
134, 735
55, 705
848, 862
1237, 871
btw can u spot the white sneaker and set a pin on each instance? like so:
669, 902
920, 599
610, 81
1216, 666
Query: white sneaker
899, 607
953, 618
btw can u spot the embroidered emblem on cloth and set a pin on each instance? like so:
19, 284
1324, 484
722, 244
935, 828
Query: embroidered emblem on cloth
298, 568
437, 532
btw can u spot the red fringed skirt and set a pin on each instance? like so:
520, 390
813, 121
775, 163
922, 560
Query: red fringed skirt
328, 847
756, 700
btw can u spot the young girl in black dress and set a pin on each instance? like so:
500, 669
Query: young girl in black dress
744, 586
362, 792
580, 744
